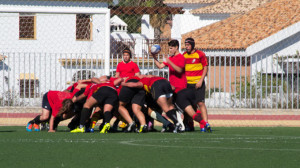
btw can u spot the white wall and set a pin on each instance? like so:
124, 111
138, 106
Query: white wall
184, 23
55, 33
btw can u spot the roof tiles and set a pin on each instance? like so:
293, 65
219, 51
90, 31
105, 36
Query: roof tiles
189, 1
241, 31
230, 6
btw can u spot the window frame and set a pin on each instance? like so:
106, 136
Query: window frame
91, 28
34, 25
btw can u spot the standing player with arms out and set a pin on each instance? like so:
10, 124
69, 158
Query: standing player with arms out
196, 70
176, 64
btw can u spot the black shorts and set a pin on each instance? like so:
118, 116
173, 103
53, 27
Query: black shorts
200, 92
185, 98
45, 102
160, 88
132, 95
106, 95
151, 103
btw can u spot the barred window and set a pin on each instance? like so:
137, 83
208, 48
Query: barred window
29, 88
83, 27
27, 26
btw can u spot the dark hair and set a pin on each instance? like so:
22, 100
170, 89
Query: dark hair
108, 77
67, 106
173, 43
191, 41
127, 50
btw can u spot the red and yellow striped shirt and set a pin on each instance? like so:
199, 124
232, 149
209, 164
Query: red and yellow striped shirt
194, 65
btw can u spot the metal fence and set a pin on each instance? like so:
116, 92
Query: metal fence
47, 45
231, 82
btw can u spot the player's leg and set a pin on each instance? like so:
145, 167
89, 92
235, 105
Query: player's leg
107, 117
200, 98
85, 113
137, 110
97, 115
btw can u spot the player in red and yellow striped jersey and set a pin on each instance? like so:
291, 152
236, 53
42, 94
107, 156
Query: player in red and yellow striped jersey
195, 71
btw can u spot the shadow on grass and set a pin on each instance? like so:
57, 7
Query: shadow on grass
8, 131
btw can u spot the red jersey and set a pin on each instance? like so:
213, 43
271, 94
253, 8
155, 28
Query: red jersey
148, 82
178, 80
95, 87
127, 69
194, 66
55, 99
72, 87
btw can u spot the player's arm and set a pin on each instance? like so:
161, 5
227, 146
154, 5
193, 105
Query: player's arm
51, 123
85, 80
137, 74
117, 74
175, 67
118, 81
78, 98
158, 64
200, 82
96, 80
133, 84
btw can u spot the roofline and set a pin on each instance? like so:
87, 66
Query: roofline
273, 39
225, 52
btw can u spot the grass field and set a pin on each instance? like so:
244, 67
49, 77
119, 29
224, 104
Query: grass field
225, 147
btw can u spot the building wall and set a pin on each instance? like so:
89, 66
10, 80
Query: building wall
55, 33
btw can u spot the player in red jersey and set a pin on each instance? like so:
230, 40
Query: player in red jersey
196, 70
161, 91
55, 103
176, 64
103, 95
127, 68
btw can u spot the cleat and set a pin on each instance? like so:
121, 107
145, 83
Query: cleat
92, 130
202, 130
177, 128
143, 129
78, 130
29, 127
123, 125
105, 128
44, 126
208, 128
131, 127
168, 128
36, 127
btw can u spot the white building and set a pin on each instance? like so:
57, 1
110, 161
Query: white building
49, 43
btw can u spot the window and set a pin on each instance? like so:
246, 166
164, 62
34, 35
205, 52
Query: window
29, 86
27, 26
83, 27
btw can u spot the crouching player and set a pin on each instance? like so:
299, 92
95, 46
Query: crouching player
55, 103
103, 95
135, 96
186, 102
161, 91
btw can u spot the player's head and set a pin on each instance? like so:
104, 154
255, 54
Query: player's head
173, 46
104, 78
189, 44
67, 106
126, 55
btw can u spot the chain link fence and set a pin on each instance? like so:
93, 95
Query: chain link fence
48, 45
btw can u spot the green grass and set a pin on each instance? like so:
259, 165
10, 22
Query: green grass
225, 147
